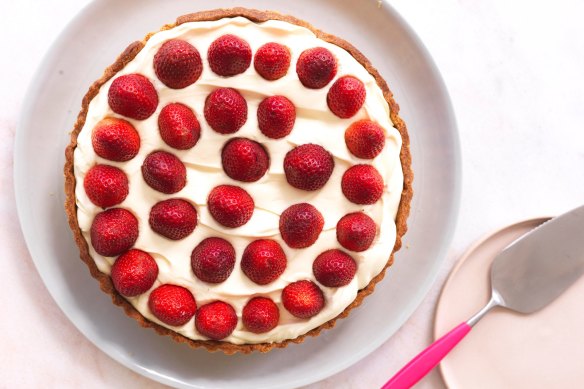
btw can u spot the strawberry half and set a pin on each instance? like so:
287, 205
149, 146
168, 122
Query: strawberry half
365, 139
362, 184
216, 320
316, 67
244, 160
134, 272
172, 304
263, 261
334, 268
303, 299
229, 55
346, 96
174, 218
164, 172
300, 225
225, 110
231, 206
115, 139
113, 232
356, 231
178, 126
213, 260
106, 185
272, 61
308, 167
260, 315
133, 95
276, 116
177, 64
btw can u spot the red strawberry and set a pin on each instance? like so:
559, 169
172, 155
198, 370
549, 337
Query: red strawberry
308, 167
115, 139
316, 67
134, 272
229, 55
334, 268
164, 172
362, 184
174, 218
172, 304
133, 95
365, 139
230, 205
213, 260
225, 110
216, 320
113, 232
303, 299
263, 261
244, 160
300, 225
346, 97
106, 185
179, 127
272, 61
260, 315
177, 64
356, 231
276, 116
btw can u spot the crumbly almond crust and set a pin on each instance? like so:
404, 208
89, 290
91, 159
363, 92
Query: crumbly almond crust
129, 53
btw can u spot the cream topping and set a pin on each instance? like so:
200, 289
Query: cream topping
272, 194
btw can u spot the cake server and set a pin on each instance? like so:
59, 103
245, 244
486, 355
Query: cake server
525, 277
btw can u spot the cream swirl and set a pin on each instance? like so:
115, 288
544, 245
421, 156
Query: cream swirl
272, 194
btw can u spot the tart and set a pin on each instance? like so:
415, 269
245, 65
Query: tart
238, 180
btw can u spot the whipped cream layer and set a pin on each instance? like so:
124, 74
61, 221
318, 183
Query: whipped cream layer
315, 123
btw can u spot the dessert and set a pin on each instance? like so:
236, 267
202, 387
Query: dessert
238, 180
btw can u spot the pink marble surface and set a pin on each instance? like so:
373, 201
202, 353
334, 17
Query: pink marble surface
514, 71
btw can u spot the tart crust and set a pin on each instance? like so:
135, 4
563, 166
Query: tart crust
128, 55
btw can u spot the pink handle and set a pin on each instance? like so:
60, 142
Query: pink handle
427, 359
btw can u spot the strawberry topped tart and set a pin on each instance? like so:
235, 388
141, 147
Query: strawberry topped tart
238, 180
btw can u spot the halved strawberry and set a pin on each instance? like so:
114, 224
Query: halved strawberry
362, 184
316, 67
115, 139
308, 167
216, 320
172, 304
113, 232
263, 261
260, 315
300, 225
276, 116
365, 139
225, 110
272, 61
356, 231
346, 96
164, 172
177, 64
334, 268
173, 218
178, 126
213, 260
133, 95
134, 272
230, 205
303, 299
229, 55
244, 160
106, 185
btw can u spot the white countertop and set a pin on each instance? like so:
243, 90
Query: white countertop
514, 70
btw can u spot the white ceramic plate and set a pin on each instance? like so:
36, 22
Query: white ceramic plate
90, 43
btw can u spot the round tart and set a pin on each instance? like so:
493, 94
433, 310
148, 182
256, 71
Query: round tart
238, 180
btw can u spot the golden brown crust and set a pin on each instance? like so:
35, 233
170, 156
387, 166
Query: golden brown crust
129, 54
